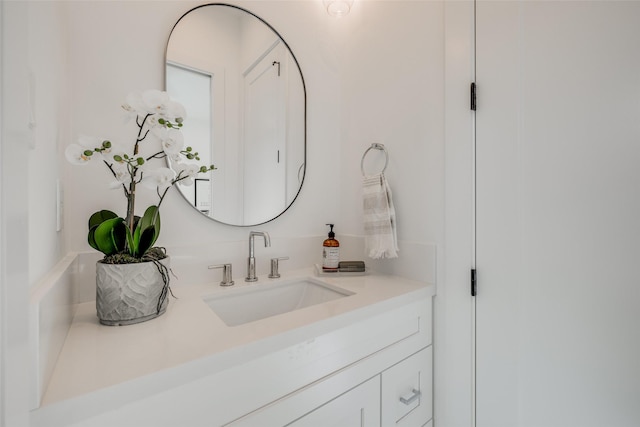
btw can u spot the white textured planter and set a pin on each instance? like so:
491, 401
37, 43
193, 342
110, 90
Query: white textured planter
131, 293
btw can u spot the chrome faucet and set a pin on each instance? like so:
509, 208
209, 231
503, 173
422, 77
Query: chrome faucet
251, 265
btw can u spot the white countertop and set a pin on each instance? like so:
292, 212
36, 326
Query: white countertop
176, 344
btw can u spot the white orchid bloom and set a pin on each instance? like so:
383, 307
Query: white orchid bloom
75, 154
160, 178
187, 171
172, 140
152, 122
155, 101
175, 158
134, 105
122, 175
175, 112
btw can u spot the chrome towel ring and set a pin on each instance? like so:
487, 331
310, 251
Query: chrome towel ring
375, 146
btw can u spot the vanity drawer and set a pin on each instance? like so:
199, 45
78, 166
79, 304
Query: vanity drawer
407, 392
358, 407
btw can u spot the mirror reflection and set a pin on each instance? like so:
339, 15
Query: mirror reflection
245, 100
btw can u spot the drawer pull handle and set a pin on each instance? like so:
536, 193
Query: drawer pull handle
409, 398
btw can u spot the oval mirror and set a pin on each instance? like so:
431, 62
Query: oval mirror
245, 99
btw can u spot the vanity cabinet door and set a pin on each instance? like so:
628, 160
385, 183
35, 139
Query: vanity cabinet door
322, 405
407, 392
359, 407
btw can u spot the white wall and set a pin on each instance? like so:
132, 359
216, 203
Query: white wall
14, 168
392, 76
375, 75
131, 58
48, 63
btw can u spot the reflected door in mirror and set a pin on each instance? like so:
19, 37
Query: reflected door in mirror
264, 137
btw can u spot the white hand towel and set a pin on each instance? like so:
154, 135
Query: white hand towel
381, 239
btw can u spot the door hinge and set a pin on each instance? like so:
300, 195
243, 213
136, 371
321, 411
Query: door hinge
473, 96
473, 282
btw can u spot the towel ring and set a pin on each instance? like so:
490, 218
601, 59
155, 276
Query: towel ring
375, 146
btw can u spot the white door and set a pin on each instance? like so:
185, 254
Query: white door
558, 214
264, 139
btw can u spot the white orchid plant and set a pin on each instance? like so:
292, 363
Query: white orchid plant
131, 239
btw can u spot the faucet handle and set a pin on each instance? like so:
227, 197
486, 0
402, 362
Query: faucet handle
274, 267
227, 278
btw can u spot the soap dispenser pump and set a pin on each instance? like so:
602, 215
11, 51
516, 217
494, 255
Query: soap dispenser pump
330, 252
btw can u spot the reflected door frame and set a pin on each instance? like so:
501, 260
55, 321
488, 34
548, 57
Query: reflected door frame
217, 143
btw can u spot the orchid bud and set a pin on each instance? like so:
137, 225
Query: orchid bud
106, 144
117, 158
140, 161
87, 153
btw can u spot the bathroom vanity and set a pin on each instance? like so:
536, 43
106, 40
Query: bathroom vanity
361, 358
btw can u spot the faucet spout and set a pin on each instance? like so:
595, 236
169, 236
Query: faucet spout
251, 264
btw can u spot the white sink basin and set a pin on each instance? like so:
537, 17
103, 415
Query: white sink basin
261, 300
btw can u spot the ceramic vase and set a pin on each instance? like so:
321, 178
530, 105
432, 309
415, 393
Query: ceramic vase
131, 293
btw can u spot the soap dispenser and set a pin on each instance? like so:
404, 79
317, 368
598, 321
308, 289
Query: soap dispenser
330, 252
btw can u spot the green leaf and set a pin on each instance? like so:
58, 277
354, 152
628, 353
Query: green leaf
119, 235
105, 238
130, 242
147, 239
100, 217
151, 217
91, 237
145, 233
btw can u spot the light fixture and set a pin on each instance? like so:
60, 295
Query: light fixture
337, 8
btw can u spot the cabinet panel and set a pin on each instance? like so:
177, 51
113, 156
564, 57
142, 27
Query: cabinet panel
312, 407
359, 407
407, 392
